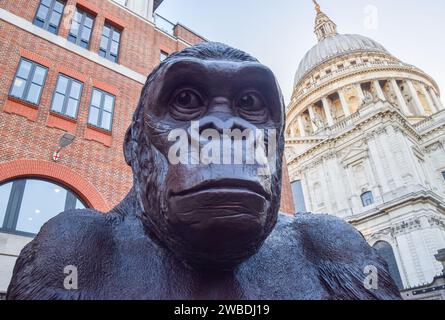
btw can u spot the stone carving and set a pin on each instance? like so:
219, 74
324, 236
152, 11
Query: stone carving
318, 121
200, 231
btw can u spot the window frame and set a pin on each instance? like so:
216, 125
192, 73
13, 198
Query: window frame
78, 36
9, 224
46, 23
66, 96
101, 109
113, 29
29, 81
362, 198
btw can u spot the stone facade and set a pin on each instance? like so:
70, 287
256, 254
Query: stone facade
366, 140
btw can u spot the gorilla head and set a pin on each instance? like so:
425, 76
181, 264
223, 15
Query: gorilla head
210, 215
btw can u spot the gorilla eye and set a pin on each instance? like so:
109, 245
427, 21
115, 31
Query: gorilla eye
186, 105
251, 106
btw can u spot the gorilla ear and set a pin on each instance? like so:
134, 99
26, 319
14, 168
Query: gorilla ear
128, 146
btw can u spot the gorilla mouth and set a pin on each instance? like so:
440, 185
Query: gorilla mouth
230, 185
228, 198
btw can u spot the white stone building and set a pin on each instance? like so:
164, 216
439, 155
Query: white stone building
366, 142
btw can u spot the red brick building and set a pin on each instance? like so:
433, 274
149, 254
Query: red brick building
72, 67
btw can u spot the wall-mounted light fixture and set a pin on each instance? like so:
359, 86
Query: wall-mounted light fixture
64, 141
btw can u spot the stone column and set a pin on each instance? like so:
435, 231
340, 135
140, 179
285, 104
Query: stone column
360, 93
301, 126
428, 98
437, 102
327, 111
415, 97
400, 100
344, 103
378, 90
312, 117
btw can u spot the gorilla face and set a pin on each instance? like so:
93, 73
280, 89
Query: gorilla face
212, 216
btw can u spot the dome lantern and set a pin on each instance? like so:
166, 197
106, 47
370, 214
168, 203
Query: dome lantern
324, 27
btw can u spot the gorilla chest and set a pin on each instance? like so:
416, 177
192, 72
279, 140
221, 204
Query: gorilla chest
159, 278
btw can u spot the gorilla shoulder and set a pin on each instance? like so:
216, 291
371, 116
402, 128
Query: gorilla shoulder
69, 239
325, 236
342, 256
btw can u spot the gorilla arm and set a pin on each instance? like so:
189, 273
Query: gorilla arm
70, 239
344, 258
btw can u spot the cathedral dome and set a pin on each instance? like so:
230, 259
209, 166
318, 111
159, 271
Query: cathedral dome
333, 46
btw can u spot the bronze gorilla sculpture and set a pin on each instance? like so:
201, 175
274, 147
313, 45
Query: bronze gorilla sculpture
200, 231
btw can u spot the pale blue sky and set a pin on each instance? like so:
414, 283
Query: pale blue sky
280, 32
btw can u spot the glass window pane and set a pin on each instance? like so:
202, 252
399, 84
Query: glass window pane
77, 16
55, 18
52, 29
58, 7
104, 43
75, 28
97, 96
62, 83
34, 93
39, 75
108, 103
72, 38
76, 88
18, 88
86, 34
106, 32
114, 48
39, 22
79, 204
88, 22
116, 36
41, 201
42, 13
58, 102
71, 108
106, 120
46, 3
5, 192
24, 69
102, 53
93, 116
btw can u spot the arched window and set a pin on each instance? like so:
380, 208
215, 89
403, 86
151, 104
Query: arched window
26, 204
385, 251
367, 199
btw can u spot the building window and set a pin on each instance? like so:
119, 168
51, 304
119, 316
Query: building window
385, 250
29, 81
340, 66
67, 96
49, 15
328, 71
109, 43
298, 196
367, 199
26, 204
101, 109
81, 27
353, 63
163, 55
